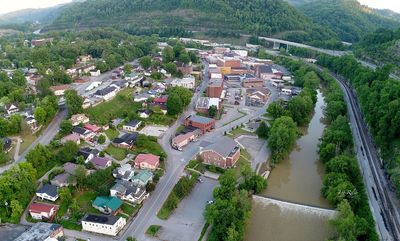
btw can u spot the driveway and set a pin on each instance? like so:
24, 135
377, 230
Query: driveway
187, 221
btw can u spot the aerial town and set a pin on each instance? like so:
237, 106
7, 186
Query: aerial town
210, 121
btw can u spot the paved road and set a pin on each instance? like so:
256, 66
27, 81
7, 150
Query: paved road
383, 202
43, 139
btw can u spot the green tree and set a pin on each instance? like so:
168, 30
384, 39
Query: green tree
102, 139
16, 210
80, 174
74, 102
40, 115
263, 130
40, 157
65, 196
174, 104
145, 62
300, 109
282, 137
276, 109
128, 69
18, 78
348, 226
212, 111
171, 68
68, 152
66, 127
168, 55
184, 58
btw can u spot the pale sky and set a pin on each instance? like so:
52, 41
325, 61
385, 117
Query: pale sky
12, 5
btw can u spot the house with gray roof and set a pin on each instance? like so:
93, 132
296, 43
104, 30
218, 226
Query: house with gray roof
223, 153
48, 192
128, 191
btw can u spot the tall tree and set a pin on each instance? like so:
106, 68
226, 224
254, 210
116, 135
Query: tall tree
145, 62
282, 137
74, 102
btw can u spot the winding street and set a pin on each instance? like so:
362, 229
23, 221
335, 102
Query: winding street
47, 135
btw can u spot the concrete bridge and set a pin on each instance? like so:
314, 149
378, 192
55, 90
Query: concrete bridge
313, 210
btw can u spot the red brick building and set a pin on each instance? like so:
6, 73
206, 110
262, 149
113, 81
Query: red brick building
215, 88
253, 83
226, 62
224, 153
205, 124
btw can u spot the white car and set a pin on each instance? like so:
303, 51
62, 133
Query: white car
210, 202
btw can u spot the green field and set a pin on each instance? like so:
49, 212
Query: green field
120, 107
117, 153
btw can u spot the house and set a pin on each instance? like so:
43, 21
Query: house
144, 113
7, 144
59, 90
117, 122
187, 82
124, 172
128, 191
157, 108
203, 104
88, 153
42, 210
182, 140
84, 58
93, 128
215, 88
11, 108
74, 137
205, 124
253, 83
70, 168
31, 122
223, 153
161, 100
83, 133
79, 119
107, 205
120, 84
147, 161
142, 178
131, 126
141, 97
63, 180
95, 73
107, 93
264, 72
48, 192
108, 225
184, 68
125, 141
43, 232
101, 162
258, 96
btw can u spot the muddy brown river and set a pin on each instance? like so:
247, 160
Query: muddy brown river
297, 179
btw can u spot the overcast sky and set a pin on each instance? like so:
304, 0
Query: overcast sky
12, 5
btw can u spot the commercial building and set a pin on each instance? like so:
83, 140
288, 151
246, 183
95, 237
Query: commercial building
203, 123
108, 225
224, 153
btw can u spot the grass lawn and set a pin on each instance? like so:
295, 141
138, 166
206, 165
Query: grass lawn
238, 132
121, 106
111, 133
28, 139
152, 230
85, 199
237, 118
68, 224
242, 161
130, 209
118, 153
160, 119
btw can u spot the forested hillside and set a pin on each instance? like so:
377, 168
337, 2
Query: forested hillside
348, 18
260, 17
380, 47
42, 15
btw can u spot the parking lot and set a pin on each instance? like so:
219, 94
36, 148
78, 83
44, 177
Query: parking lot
252, 144
156, 131
187, 221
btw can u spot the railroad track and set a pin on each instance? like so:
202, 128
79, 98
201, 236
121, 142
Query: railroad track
388, 210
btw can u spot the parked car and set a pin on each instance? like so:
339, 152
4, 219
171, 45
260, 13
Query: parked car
200, 180
210, 202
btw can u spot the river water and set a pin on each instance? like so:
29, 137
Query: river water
297, 179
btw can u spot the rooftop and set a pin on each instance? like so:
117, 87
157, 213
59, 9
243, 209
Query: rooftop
149, 158
224, 146
200, 119
102, 219
39, 232
50, 190
110, 202
105, 91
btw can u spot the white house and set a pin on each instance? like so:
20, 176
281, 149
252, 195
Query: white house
107, 93
131, 126
108, 225
144, 113
12, 108
128, 191
187, 82
48, 192
95, 73
93, 85
59, 90
42, 210
78, 119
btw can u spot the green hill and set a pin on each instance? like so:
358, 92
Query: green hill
348, 18
42, 15
260, 17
